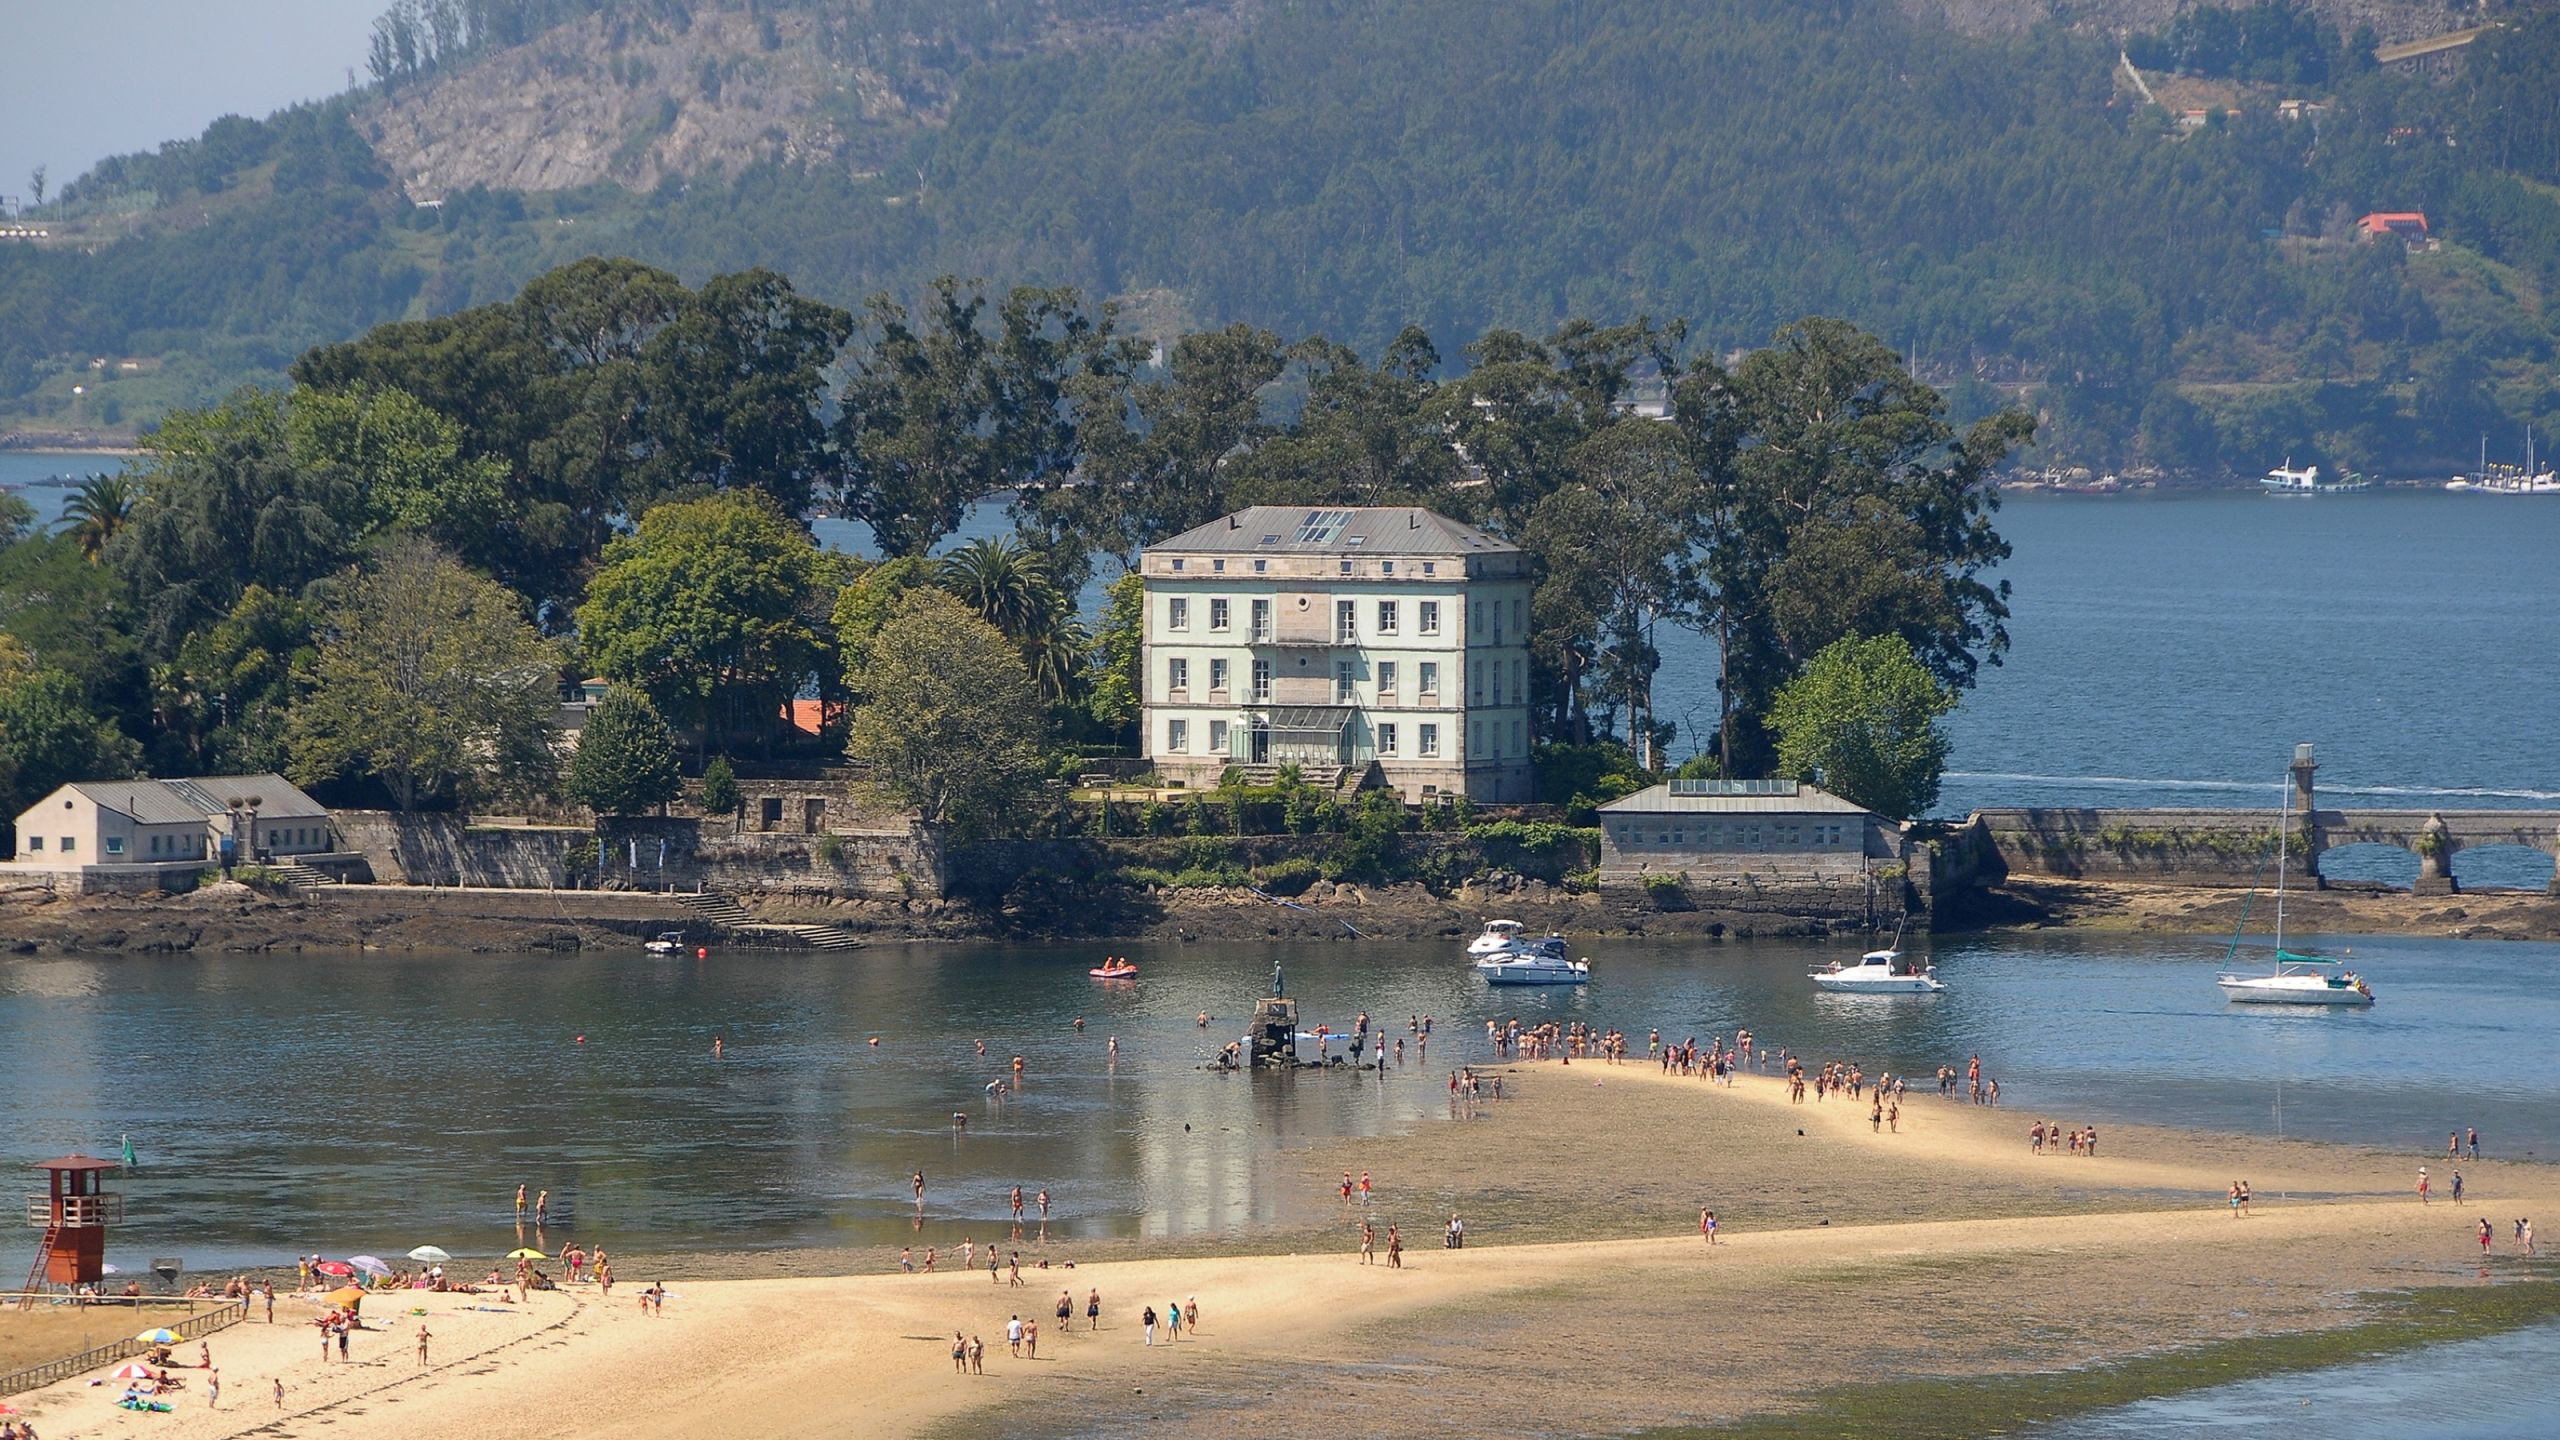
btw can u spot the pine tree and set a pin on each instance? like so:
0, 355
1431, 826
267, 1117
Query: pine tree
626, 760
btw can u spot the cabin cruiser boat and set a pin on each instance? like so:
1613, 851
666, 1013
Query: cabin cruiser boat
1498, 936
1533, 962
1880, 972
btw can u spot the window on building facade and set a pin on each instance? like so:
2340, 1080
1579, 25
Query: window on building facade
1346, 564
1342, 682
1386, 739
1430, 568
1177, 565
70, 843
1429, 735
34, 843
1217, 737
1218, 567
1217, 677
1516, 747
1386, 617
1177, 674
1261, 620
1475, 693
1427, 615
115, 844
1260, 565
1386, 567
1475, 738
1478, 628
1217, 614
1430, 679
1177, 737
1262, 681
1346, 622
1177, 614
1386, 682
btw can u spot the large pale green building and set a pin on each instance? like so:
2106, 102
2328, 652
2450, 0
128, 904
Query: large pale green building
1339, 637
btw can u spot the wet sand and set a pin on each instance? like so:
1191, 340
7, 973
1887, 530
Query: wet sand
1946, 1249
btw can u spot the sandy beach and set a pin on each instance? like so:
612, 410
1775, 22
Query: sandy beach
1944, 1249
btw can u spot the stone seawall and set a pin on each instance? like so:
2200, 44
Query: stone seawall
446, 850
687, 854
2174, 847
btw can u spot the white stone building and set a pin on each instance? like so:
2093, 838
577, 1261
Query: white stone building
105, 831
1336, 637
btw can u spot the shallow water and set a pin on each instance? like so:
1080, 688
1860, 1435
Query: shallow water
2488, 1389
349, 1103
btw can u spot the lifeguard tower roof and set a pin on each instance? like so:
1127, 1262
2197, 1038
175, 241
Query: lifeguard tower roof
77, 1162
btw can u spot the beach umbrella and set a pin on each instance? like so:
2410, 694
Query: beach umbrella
158, 1337
135, 1371
527, 1253
369, 1264
429, 1255
344, 1299
334, 1267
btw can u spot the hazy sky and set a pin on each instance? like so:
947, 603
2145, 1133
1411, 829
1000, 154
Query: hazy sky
84, 79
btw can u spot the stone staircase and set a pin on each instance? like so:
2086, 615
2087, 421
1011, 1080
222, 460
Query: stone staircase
304, 875
1322, 777
727, 913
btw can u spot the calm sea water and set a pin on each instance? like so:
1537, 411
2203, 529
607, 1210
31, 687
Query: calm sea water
351, 1103
2497, 1388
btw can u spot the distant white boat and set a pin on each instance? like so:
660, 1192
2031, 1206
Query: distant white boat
2285, 480
669, 943
1499, 935
2505, 479
1880, 972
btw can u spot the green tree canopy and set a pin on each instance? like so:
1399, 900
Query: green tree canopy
951, 725
404, 460
428, 679
625, 763
710, 607
49, 736
223, 703
1862, 722
97, 511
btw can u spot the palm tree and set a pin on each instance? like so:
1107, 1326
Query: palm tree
1057, 655
1006, 584
102, 506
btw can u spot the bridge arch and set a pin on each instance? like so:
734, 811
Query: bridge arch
2370, 862
2501, 866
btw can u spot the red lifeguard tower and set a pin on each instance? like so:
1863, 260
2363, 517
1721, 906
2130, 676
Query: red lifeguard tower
74, 1216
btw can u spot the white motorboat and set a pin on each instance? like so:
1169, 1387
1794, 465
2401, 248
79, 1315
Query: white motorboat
2285, 480
2296, 979
1498, 936
669, 943
1880, 972
1534, 962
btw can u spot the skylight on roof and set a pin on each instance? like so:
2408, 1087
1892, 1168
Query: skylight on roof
1321, 526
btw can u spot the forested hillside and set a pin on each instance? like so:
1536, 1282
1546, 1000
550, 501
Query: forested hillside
2181, 291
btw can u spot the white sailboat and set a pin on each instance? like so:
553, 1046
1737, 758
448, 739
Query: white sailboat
2296, 979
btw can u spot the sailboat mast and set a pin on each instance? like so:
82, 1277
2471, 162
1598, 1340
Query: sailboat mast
2284, 837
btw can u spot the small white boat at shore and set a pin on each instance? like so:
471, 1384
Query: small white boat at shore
1498, 936
1880, 972
668, 943
1534, 962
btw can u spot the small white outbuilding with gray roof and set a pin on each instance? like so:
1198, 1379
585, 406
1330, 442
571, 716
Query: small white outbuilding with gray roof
93, 831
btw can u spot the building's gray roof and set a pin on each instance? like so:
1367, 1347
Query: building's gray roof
1335, 530
1748, 797
148, 802
277, 797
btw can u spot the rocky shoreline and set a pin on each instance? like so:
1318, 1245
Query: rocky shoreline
232, 918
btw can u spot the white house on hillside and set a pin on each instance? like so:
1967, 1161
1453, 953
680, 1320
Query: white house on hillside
1334, 637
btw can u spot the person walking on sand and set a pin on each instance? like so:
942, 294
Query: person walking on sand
2452, 1146
1016, 1267
268, 1293
1093, 1310
1191, 1314
2457, 1187
1395, 1249
213, 1383
1066, 1310
422, 1342
1030, 1339
959, 1353
968, 1253
279, 1392
2423, 1184
2472, 1134
995, 1267
2488, 1232
977, 1356
907, 1258
1147, 1318
1013, 1336
1172, 1323
1707, 1222
2245, 1197
1368, 1242
929, 1254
